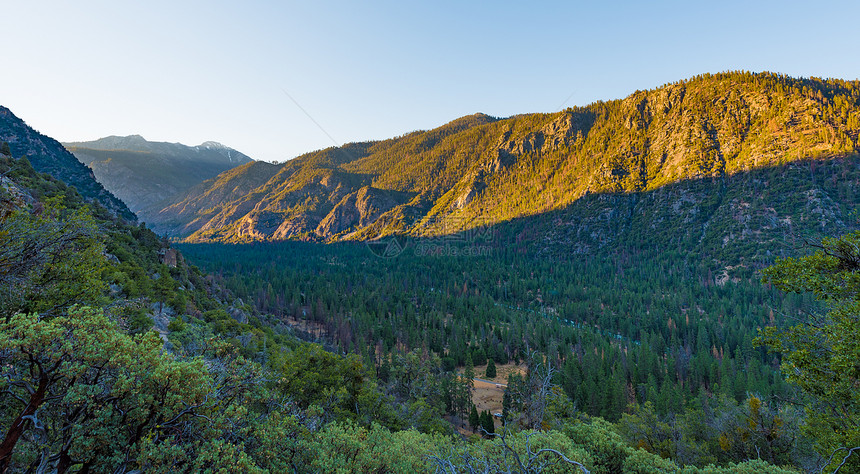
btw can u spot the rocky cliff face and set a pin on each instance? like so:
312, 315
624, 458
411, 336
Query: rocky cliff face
478, 170
356, 210
12, 196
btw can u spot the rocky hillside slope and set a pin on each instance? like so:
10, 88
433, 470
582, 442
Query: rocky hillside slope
47, 155
693, 139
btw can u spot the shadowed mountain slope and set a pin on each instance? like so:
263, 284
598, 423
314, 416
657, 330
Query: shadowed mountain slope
144, 173
47, 155
479, 171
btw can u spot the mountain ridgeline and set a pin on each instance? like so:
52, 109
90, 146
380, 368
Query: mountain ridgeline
727, 161
47, 155
144, 173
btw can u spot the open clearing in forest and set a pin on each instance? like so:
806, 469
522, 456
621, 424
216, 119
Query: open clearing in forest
488, 393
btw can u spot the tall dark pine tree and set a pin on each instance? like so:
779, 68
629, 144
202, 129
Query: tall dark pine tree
491, 369
474, 418
487, 423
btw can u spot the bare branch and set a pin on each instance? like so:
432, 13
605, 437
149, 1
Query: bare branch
564, 458
844, 459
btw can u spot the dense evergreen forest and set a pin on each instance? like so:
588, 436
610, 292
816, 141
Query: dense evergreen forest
690, 307
118, 356
622, 329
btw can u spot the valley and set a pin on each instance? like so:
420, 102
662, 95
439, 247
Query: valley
655, 281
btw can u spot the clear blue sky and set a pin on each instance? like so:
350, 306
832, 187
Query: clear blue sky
188, 72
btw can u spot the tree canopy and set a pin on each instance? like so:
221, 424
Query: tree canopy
821, 351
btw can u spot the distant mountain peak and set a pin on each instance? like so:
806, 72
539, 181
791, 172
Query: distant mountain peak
143, 173
211, 144
118, 141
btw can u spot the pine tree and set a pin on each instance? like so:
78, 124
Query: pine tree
469, 370
474, 418
491, 369
487, 423
469, 378
506, 403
